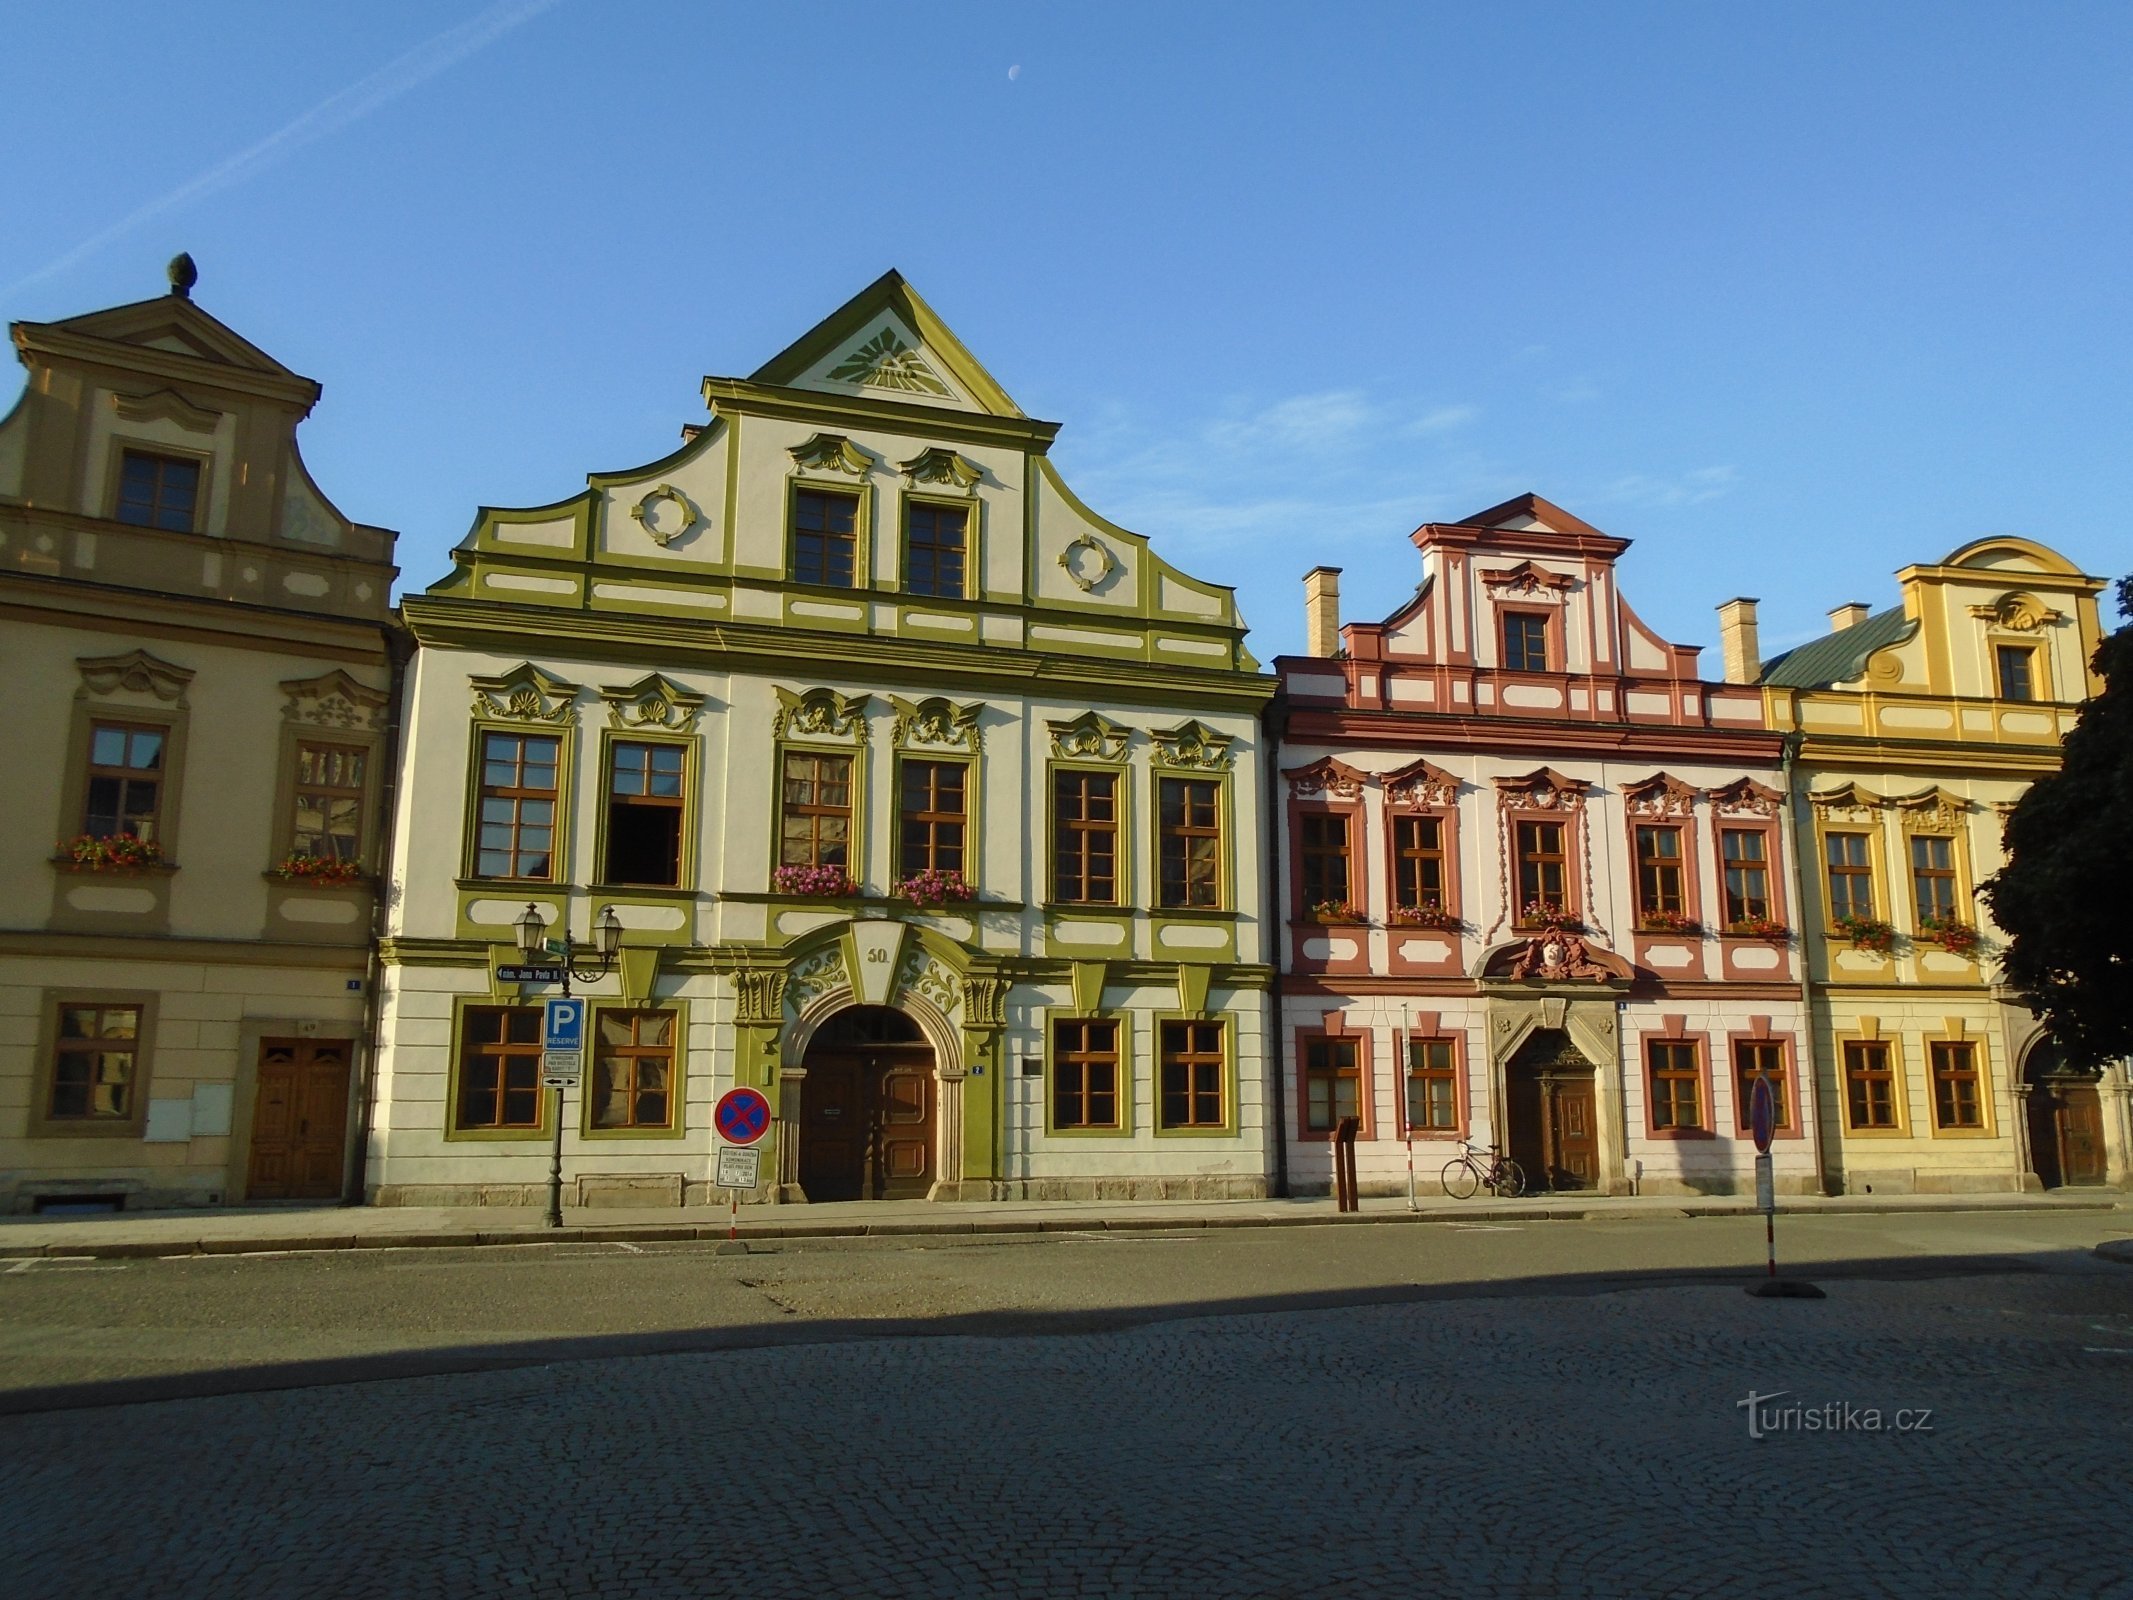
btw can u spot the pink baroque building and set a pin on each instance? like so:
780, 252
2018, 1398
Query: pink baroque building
1534, 881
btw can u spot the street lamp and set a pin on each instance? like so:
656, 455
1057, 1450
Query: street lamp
533, 945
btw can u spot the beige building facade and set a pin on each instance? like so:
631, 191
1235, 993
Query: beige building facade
198, 753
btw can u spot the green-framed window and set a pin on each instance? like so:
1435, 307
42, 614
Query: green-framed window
825, 537
1085, 1073
936, 548
520, 793
1085, 816
647, 785
934, 817
1189, 842
1194, 1070
499, 1076
815, 815
636, 1062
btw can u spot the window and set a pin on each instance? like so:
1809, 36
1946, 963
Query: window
518, 799
500, 1068
815, 829
933, 549
125, 781
1658, 871
1676, 1098
932, 817
1851, 876
1432, 1102
633, 1070
1189, 822
1418, 862
1085, 838
1325, 859
1084, 1074
158, 491
329, 802
824, 544
1933, 875
644, 812
1333, 1083
1192, 1074
1869, 1084
1539, 849
95, 1063
1955, 1091
1760, 1058
1525, 642
2017, 675
1745, 853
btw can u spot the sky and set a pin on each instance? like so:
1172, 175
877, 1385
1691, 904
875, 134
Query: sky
1792, 295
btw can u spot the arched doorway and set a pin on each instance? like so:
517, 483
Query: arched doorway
1554, 1133
2065, 1119
867, 1115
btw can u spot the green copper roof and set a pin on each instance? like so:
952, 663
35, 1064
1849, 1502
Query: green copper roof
1837, 657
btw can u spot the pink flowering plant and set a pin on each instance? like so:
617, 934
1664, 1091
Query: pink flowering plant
118, 852
932, 889
1668, 922
1547, 914
823, 882
1432, 915
1759, 928
1335, 911
1952, 934
1867, 933
323, 870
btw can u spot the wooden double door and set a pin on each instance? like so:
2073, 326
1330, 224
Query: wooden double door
299, 1120
2065, 1132
1554, 1133
867, 1124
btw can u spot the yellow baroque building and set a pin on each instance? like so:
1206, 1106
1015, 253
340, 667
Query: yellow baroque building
1913, 732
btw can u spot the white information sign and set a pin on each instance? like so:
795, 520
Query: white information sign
1765, 1186
739, 1166
561, 1069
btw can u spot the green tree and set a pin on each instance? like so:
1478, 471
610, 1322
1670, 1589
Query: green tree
2065, 897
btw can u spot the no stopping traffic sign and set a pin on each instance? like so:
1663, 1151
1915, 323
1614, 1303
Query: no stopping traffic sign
741, 1116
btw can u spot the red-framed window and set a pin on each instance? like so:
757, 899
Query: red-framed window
1674, 1086
1332, 1080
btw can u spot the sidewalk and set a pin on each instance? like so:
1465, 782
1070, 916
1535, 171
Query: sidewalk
264, 1228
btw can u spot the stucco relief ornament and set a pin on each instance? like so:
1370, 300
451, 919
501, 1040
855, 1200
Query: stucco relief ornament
1325, 776
665, 513
821, 714
760, 995
924, 976
524, 694
1421, 784
655, 702
136, 672
1193, 745
1555, 954
1660, 795
986, 1000
2023, 613
334, 700
815, 976
1746, 797
1088, 562
942, 466
831, 452
1089, 737
1541, 790
937, 722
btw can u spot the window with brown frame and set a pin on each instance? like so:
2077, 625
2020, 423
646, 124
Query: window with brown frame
1085, 838
1192, 1073
1659, 871
1933, 875
1538, 847
1333, 1083
1677, 1098
499, 1068
633, 1070
2017, 664
1851, 875
815, 822
1418, 862
644, 813
825, 540
1869, 1084
518, 801
95, 1063
1084, 1073
125, 790
933, 817
1525, 642
1189, 828
1745, 852
1432, 1092
328, 820
1760, 1058
933, 549
1955, 1084
158, 491
1324, 839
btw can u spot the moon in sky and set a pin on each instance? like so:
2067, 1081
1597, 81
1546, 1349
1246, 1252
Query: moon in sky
1014, 72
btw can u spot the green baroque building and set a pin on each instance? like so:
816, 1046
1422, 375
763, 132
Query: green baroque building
927, 802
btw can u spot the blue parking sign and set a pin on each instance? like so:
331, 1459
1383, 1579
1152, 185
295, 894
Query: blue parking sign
563, 1025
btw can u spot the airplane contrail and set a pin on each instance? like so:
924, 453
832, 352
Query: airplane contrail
330, 115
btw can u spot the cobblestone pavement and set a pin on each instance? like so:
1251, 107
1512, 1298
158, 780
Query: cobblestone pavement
1515, 1445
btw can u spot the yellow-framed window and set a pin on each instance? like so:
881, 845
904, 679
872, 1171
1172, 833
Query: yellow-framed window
1869, 1083
1849, 860
1958, 1100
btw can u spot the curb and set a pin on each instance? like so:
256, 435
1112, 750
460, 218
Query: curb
1033, 1227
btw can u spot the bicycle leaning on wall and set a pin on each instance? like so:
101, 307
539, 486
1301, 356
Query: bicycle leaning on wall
1474, 1168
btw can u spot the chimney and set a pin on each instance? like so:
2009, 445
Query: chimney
1322, 611
1849, 615
1736, 637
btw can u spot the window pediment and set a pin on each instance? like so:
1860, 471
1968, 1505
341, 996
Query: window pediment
524, 694
1526, 580
821, 714
1193, 746
1090, 737
655, 702
1326, 776
831, 452
1660, 795
1420, 784
1746, 797
166, 405
334, 700
1931, 810
2022, 613
937, 722
136, 672
1543, 789
944, 467
1847, 803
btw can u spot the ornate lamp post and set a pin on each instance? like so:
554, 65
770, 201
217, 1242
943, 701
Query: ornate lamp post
533, 945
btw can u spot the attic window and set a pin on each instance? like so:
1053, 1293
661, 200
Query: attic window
158, 491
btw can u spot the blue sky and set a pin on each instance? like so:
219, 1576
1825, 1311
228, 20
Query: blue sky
1792, 295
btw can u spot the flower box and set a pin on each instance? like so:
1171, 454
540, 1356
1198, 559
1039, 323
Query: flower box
1952, 934
930, 890
1427, 917
1679, 922
1758, 928
1538, 914
323, 871
1867, 933
821, 883
120, 852
1335, 911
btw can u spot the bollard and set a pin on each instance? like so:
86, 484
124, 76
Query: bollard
1344, 1164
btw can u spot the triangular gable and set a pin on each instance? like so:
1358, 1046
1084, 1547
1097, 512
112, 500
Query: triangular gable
175, 324
886, 343
1527, 512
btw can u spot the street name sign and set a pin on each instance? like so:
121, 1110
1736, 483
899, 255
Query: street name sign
741, 1116
739, 1166
522, 974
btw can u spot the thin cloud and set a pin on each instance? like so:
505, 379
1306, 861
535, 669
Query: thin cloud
330, 115
1689, 489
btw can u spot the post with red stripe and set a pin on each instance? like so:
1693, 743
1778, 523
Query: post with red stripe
1762, 1122
741, 1117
